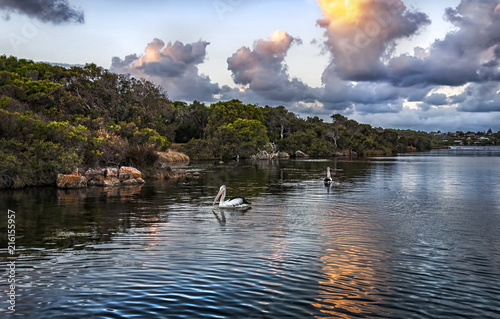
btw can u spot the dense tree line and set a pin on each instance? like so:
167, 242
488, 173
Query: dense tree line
232, 128
55, 119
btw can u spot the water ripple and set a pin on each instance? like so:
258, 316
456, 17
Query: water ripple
386, 241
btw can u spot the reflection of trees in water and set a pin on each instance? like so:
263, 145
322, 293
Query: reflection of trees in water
55, 218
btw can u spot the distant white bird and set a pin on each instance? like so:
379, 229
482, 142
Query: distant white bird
328, 178
230, 203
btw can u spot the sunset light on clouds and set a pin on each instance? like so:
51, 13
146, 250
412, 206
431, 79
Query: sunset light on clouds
341, 10
403, 64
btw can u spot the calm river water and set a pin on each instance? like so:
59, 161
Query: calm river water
412, 236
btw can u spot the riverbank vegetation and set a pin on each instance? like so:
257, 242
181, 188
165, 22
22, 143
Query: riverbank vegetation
233, 128
55, 119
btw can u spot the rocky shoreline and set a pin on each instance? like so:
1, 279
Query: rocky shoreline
106, 177
123, 175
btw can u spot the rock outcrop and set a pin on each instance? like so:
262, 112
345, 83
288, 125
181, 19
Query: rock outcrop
106, 177
130, 176
71, 181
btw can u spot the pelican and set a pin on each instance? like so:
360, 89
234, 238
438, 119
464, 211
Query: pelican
328, 178
230, 203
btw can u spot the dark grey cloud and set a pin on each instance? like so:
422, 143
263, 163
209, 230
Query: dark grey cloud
123, 66
54, 11
436, 99
174, 66
365, 77
480, 97
375, 96
469, 54
167, 67
361, 51
415, 93
362, 97
423, 106
394, 106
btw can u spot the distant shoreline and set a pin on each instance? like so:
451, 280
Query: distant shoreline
472, 147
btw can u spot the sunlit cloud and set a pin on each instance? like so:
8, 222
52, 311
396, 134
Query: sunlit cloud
365, 79
174, 66
362, 43
263, 71
341, 10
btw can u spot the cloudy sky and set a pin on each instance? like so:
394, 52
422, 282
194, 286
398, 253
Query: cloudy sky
426, 65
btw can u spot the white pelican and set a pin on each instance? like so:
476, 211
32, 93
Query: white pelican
230, 203
328, 178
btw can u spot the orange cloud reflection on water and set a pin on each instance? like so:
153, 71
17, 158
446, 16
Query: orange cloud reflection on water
352, 279
343, 287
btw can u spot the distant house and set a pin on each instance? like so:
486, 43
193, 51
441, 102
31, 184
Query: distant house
458, 141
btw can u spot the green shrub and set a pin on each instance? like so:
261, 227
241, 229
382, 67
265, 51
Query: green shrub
150, 137
36, 163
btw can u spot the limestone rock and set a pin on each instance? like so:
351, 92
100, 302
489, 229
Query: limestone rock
107, 177
71, 181
127, 172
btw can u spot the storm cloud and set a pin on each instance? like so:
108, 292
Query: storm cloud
361, 39
481, 97
54, 11
362, 49
365, 77
469, 54
174, 66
